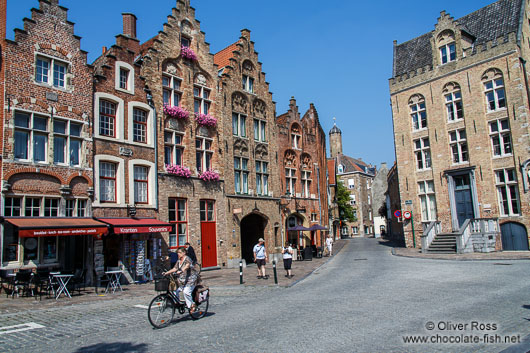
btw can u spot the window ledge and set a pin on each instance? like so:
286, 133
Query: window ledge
496, 110
455, 121
124, 90
60, 89
502, 156
420, 130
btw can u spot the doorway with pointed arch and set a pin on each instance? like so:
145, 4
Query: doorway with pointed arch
252, 228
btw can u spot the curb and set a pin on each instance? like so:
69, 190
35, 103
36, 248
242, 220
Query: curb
393, 252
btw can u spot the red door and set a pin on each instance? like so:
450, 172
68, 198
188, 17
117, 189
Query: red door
208, 234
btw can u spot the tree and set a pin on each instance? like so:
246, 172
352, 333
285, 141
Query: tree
383, 210
343, 201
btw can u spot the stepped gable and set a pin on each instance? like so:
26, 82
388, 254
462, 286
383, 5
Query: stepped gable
487, 24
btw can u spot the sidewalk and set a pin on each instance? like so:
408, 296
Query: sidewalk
499, 255
223, 281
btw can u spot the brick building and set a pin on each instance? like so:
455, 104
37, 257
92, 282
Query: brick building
302, 154
250, 146
460, 101
125, 164
182, 78
357, 177
393, 203
46, 171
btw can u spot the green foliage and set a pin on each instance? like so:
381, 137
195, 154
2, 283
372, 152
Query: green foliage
343, 201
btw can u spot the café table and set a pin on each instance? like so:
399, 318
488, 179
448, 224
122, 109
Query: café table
114, 280
62, 281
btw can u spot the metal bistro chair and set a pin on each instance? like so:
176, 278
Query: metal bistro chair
23, 280
101, 279
44, 283
78, 281
6, 279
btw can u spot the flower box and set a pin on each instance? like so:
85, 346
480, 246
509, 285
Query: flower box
188, 53
178, 170
209, 175
176, 112
205, 120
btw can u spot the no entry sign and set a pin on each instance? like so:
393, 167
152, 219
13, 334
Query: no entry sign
397, 213
407, 214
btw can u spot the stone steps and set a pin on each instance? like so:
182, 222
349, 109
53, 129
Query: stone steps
443, 244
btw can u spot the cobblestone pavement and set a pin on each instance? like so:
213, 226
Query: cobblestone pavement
361, 300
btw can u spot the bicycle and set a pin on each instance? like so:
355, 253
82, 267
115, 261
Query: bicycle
162, 308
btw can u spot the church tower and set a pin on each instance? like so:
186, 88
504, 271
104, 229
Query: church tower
335, 141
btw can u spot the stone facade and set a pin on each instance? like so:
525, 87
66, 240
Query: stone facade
250, 145
379, 188
461, 121
302, 154
393, 204
47, 135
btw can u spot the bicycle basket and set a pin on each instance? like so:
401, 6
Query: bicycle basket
161, 284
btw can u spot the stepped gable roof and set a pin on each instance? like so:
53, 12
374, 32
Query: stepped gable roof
487, 24
222, 58
351, 165
335, 130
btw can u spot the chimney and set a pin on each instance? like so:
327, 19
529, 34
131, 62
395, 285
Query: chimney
129, 24
104, 49
3, 19
245, 33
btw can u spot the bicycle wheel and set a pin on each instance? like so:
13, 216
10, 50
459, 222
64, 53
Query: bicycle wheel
201, 309
161, 311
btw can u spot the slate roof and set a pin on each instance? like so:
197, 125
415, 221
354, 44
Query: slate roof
351, 165
335, 130
488, 23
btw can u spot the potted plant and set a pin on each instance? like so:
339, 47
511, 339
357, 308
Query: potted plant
188, 53
205, 120
176, 112
209, 175
178, 170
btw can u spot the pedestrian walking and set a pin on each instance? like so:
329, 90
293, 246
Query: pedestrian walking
287, 252
260, 258
329, 244
191, 253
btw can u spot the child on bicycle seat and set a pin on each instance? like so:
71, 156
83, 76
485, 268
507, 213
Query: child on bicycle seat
187, 277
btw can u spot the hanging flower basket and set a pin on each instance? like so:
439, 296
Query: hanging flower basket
209, 175
176, 112
178, 170
205, 120
188, 53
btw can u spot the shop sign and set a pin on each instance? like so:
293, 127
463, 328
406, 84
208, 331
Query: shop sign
30, 233
133, 230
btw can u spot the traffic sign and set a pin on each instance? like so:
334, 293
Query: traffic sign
397, 213
407, 214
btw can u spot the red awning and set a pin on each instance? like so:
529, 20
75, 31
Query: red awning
29, 227
137, 225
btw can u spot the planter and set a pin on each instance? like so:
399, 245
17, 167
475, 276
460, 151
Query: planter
176, 112
188, 53
205, 120
209, 175
178, 170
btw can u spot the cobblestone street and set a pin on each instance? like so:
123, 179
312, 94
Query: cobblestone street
362, 300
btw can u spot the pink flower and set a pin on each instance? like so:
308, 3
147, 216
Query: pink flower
188, 53
176, 112
209, 175
178, 170
205, 120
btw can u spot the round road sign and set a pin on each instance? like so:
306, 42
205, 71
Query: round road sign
397, 213
407, 214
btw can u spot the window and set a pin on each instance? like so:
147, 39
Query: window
139, 125
51, 207
185, 42
314, 217
295, 141
124, 78
238, 125
12, 206
51, 71
31, 137
368, 185
241, 175
448, 53
262, 178
369, 213
107, 118
67, 137
494, 90
201, 101
259, 130
369, 200
352, 200
458, 144
355, 230
290, 181
500, 137
351, 183
507, 192
204, 154
427, 200
453, 104
171, 92
419, 115
178, 215
306, 183
207, 211
355, 213
107, 182
423, 153
248, 84
173, 148
141, 174
340, 168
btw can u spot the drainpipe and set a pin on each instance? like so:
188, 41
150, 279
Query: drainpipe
152, 105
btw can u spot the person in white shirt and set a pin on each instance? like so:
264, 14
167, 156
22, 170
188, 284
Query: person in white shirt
260, 258
329, 244
287, 252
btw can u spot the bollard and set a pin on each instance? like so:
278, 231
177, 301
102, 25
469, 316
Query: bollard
274, 269
241, 272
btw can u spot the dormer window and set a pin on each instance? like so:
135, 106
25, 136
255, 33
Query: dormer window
341, 168
124, 77
448, 53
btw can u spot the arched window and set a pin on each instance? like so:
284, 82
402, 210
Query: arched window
296, 137
453, 102
418, 112
494, 90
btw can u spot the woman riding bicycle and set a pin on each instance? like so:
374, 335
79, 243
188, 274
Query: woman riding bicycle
187, 277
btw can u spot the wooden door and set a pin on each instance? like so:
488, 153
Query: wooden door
208, 234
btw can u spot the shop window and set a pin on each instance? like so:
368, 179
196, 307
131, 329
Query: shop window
178, 215
10, 244
49, 249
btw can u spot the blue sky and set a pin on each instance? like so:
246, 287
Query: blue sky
336, 54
